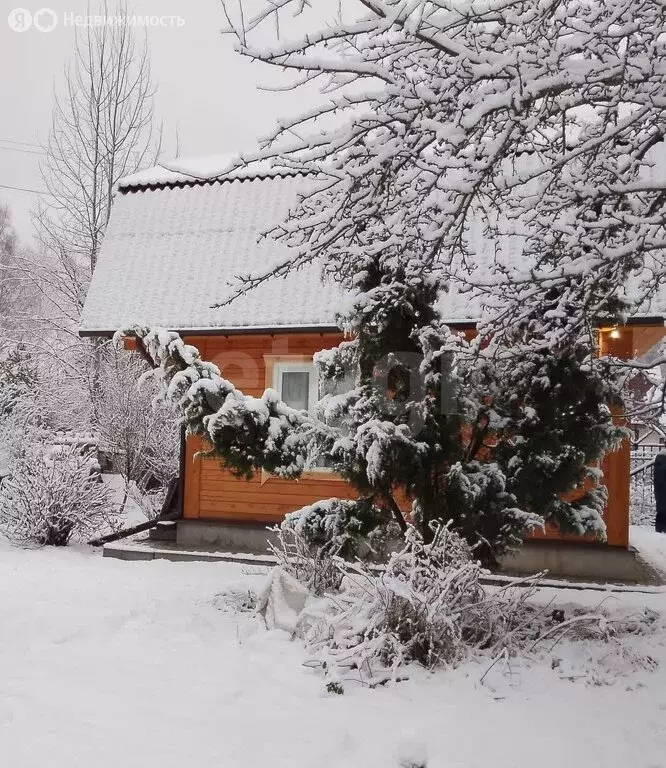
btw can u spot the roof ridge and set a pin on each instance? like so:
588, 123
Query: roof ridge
199, 182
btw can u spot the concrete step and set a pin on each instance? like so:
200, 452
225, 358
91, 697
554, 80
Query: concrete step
145, 549
165, 530
149, 549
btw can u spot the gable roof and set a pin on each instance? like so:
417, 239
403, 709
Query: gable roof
176, 240
179, 236
171, 251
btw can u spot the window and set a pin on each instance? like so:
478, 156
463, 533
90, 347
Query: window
296, 383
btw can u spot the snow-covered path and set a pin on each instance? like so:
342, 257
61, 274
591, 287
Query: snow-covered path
106, 663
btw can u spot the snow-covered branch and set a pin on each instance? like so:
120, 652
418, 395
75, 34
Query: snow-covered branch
513, 150
248, 433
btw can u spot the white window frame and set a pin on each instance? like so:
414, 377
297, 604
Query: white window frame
300, 366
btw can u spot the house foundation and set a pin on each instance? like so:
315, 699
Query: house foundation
578, 562
224, 537
582, 562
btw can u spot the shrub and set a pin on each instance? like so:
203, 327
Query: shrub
49, 499
428, 606
311, 539
346, 527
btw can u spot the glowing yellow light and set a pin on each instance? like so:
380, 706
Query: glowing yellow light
614, 334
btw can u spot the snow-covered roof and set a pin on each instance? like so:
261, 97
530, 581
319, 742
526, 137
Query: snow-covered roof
176, 241
171, 252
192, 170
182, 232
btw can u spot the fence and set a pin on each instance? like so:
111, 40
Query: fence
642, 505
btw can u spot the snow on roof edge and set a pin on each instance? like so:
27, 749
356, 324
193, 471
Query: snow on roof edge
204, 170
228, 330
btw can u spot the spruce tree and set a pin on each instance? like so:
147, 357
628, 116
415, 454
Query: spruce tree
492, 437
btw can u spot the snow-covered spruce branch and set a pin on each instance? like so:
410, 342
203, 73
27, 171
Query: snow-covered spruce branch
248, 433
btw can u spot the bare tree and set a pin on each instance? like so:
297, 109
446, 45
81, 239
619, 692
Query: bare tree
137, 430
102, 129
8, 273
17, 293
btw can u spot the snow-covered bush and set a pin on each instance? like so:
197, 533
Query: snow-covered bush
312, 538
428, 606
313, 564
433, 605
344, 526
138, 430
326, 524
50, 498
19, 388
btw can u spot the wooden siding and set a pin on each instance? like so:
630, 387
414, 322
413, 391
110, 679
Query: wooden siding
620, 343
212, 493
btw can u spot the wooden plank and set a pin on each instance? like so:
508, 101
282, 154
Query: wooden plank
245, 506
228, 496
208, 485
191, 484
212, 471
283, 342
301, 495
617, 466
620, 343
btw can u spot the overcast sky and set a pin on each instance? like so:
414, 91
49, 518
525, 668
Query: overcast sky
205, 90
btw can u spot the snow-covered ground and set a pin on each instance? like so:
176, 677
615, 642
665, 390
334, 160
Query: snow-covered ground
107, 663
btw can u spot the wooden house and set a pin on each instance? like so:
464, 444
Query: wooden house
174, 243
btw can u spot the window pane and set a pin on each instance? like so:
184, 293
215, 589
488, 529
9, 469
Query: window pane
296, 388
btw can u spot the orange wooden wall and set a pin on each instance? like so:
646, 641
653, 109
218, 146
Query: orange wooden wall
211, 493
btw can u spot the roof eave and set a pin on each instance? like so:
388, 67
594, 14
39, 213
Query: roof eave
227, 331
258, 330
462, 324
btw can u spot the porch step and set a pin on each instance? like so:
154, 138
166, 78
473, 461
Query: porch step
150, 549
165, 530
